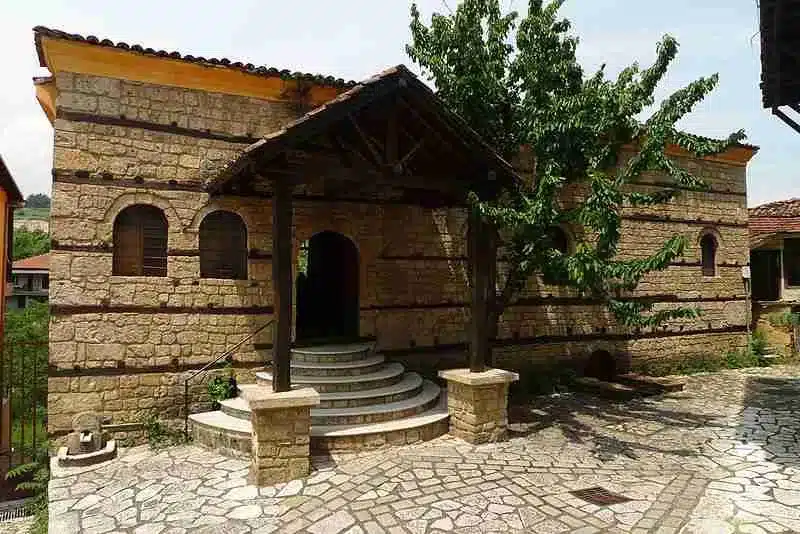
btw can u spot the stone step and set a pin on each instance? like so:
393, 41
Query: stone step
222, 432
236, 407
411, 386
356, 367
231, 436
387, 375
377, 413
332, 353
424, 426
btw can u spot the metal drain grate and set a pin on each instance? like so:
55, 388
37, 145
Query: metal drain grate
13, 510
599, 496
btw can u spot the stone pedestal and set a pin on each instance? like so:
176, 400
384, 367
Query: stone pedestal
281, 434
478, 403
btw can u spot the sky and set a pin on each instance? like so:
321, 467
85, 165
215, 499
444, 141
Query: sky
356, 38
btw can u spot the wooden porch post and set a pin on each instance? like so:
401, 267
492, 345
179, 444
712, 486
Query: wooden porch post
282, 283
479, 258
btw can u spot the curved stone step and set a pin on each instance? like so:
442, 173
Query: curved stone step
387, 375
376, 413
356, 367
409, 386
425, 426
217, 431
236, 407
332, 353
221, 432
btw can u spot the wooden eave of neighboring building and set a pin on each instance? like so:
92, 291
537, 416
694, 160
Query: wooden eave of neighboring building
389, 130
779, 22
59, 51
9, 186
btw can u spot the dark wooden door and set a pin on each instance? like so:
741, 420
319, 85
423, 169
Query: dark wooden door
765, 275
327, 294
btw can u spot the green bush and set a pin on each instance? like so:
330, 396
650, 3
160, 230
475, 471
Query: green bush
33, 477
785, 319
751, 356
222, 386
27, 244
159, 434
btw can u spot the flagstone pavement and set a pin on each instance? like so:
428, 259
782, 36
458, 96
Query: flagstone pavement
722, 456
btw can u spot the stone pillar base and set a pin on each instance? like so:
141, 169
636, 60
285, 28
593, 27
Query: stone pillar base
281, 434
478, 403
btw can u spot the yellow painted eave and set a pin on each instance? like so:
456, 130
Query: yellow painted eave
46, 94
62, 55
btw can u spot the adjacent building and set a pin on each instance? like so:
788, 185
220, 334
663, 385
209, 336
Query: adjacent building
30, 281
10, 199
166, 172
775, 267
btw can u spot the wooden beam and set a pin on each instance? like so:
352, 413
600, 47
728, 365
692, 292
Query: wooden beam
282, 284
392, 150
479, 252
366, 140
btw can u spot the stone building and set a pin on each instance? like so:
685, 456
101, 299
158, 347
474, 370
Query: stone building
166, 171
775, 266
10, 199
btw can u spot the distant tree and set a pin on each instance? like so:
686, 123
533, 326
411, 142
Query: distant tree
38, 200
27, 243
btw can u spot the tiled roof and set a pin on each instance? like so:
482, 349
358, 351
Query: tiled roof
773, 218
399, 76
270, 72
35, 263
781, 208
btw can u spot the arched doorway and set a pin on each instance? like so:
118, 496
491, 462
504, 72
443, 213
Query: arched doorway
327, 289
601, 365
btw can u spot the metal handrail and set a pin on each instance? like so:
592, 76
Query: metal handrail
208, 366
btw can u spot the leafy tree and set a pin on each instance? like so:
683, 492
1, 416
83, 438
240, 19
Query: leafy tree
38, 200
30, 243
517, 82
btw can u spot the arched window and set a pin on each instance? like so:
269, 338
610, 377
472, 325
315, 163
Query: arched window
559, 239
140, 242
708, 248
223, 246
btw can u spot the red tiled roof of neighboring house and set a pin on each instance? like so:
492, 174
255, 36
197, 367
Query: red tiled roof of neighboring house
772, 218
35, 263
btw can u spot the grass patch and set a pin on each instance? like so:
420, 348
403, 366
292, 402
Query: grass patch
160, 434
42, 214
751, 356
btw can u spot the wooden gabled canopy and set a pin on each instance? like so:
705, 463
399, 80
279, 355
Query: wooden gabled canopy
389, 136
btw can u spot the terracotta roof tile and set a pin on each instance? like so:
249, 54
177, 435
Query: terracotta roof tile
270, 72
779, 217
34, 263
781, 208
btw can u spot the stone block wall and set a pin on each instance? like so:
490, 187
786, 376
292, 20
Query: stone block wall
123, 345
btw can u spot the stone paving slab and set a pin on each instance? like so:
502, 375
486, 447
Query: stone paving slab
720, 456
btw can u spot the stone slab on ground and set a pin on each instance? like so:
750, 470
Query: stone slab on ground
721, 456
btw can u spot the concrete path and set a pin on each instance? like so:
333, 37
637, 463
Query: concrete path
721, 457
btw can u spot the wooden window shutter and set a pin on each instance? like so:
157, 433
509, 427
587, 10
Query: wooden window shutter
140, 242
223, 246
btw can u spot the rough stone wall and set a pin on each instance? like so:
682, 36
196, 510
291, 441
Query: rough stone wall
123, 345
